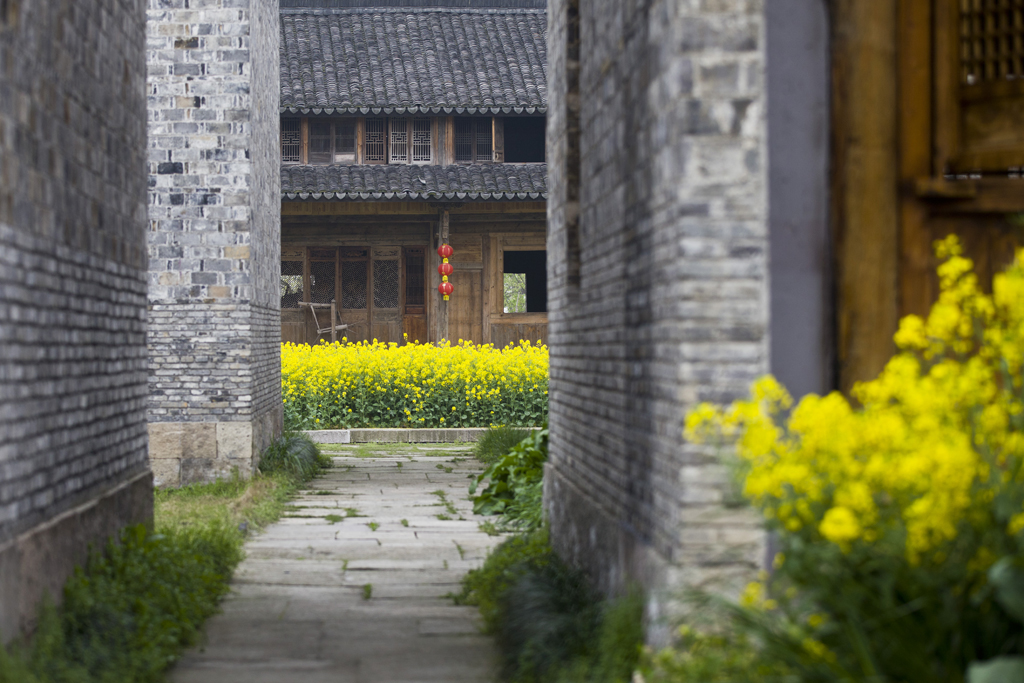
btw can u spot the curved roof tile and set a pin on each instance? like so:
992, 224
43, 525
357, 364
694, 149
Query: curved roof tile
427, 60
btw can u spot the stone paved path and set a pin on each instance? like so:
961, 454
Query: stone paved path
324, 595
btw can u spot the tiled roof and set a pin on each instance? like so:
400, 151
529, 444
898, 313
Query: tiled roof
386, 60
404, 181
523, 4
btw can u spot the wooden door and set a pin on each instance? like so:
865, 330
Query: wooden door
355, 287
414, 309
322, 280
385, 298
293, 323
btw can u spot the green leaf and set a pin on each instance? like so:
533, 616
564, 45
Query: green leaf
1008, 580
998, 670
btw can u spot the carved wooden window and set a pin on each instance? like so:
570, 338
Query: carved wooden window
991, 40
399, 141
979, 86
291, 141
385, 282
410, 141
332, 141
415, 283
323, 275
375, 141
473, 139
291, 284
354, 277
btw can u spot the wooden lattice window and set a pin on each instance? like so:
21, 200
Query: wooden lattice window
353, 277
385, 283
421, 147
332, 141
323, 275
979, 86
991, 40
291, 141
375, 141
291, 284
473, 139
399, 141
410, 141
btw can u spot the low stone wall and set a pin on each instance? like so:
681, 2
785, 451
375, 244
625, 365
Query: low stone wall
465, 435
183, 453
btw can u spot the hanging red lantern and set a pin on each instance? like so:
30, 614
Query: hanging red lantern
445, 251
445, 269
446, 289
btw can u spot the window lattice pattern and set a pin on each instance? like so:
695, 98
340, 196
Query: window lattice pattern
399, 140
321, 281
353, 284
991, 40
385, 284
320, 142
291, 284
414, 284
421, 140
483, 140
463, 139
344, 140
291, 141
374, 145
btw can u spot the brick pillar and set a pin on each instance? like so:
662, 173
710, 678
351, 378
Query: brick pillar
214, 236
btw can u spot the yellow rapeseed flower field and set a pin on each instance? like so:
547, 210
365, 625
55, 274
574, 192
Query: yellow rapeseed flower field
371, 384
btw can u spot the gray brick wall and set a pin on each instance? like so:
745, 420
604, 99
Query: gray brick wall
214, 240
670, 256
72, 284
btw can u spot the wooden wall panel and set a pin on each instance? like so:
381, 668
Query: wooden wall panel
464, 311
416, 327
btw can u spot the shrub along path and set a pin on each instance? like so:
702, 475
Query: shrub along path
350, 585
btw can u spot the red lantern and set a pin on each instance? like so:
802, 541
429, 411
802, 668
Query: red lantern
445, 251
445, 269
446, 289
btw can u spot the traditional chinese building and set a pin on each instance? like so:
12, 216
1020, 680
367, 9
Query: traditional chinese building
403, 128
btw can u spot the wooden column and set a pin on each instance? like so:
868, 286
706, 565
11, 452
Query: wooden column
442, 316
866, 165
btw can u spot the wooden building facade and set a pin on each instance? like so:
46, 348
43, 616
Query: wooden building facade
384, 160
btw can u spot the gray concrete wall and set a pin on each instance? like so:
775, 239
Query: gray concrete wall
214, 239
798, 136
73, 467
659, 296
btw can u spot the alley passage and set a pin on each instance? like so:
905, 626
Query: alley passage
350, 585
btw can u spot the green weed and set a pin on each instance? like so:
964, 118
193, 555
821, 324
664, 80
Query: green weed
497, 441
333, 519
367, 591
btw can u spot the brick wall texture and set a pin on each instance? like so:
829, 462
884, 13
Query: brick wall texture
214, 238
72, 278
657, 276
